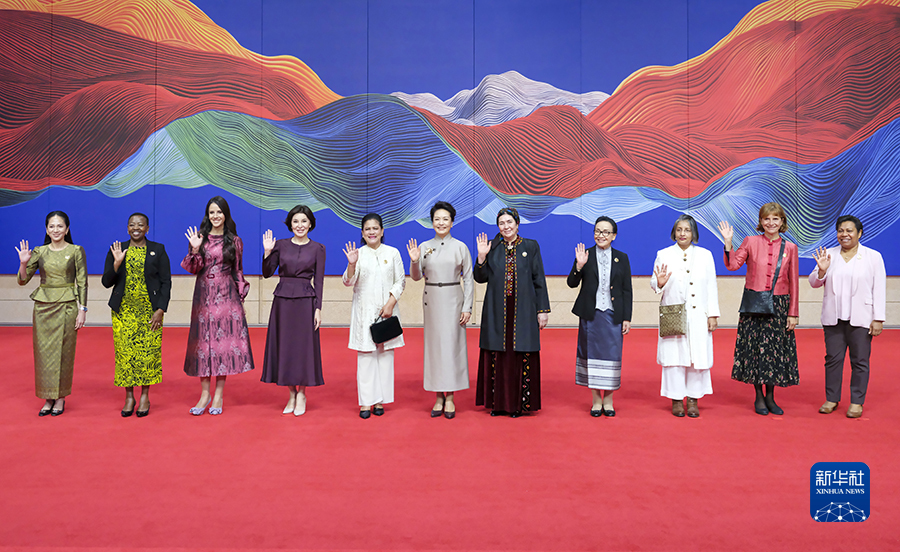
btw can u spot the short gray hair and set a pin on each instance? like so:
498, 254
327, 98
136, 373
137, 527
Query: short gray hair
695, 234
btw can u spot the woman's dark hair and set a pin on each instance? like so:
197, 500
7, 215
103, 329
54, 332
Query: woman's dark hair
230, 229
508, 211
142, 215
367, 218
695, 233
298, 210
65, 218
443, 205
609, 220
849, 218
776, 209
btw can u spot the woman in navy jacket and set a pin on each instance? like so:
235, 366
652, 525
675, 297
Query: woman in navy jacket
603, 306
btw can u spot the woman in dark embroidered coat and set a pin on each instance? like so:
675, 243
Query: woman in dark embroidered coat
516, 307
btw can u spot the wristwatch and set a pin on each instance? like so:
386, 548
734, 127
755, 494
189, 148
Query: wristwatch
83, 307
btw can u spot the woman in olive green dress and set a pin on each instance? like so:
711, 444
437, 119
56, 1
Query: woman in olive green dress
60, 308
138, 271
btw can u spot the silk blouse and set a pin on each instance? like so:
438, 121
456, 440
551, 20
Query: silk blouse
761, 257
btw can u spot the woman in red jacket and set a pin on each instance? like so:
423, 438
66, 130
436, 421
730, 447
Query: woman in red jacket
765, 352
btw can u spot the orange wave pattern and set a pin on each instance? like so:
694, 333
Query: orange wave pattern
764, 14
176, 23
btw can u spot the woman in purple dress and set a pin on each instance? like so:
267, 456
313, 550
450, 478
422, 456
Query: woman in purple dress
218, 343
293, 355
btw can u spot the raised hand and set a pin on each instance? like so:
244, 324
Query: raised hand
351, 252
823, 260
581, 256
194, 238
484, 246
24, 252
413, 248
268, 242
662, 275
117, 253
727, 234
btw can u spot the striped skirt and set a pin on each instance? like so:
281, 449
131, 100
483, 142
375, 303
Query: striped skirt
598, 362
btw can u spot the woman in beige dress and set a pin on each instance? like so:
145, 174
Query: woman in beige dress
446, 265
60, 308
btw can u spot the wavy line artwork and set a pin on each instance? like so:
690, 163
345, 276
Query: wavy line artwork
800, 103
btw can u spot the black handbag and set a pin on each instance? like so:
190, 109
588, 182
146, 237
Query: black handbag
386, 329
762, 302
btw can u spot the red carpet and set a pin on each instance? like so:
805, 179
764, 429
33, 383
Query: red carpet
558, 480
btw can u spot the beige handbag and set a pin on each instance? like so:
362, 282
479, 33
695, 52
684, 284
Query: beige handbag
672, 320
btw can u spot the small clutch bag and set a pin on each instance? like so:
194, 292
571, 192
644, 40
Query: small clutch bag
386, 329
672, 320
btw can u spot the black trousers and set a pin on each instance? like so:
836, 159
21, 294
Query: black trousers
837, 340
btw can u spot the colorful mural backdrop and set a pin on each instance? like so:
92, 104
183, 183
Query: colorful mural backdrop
110, 107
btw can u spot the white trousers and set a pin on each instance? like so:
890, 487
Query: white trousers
375, 376
679, 382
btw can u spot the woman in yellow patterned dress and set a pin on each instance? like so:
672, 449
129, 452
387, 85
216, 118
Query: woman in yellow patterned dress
60, 308
139, 273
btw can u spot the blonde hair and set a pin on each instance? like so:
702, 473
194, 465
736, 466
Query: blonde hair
772, 208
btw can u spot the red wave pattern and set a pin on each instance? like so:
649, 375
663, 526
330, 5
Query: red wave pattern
176, 23
103, 93
797, 90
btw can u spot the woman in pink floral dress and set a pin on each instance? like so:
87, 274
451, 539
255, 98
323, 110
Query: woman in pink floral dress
218, 343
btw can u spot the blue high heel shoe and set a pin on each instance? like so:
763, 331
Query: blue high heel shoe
199, 411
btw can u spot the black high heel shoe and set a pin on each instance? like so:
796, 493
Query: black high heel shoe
59, 412
143, 413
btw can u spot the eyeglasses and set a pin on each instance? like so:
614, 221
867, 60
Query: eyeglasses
604, 233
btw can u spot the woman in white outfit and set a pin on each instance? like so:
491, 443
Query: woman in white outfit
377, 276
685, 273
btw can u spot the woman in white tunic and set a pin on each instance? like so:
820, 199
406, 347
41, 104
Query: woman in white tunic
447, 305
377, 276
685, 273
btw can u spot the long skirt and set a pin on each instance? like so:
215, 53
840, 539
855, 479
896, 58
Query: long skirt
598, 361
53, 335
138, 348
218, 341
509, 381
293, 353
764, 352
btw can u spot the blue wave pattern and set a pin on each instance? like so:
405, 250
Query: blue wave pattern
375, 153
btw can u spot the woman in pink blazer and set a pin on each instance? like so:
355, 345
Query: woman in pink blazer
765, 352
853, 310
